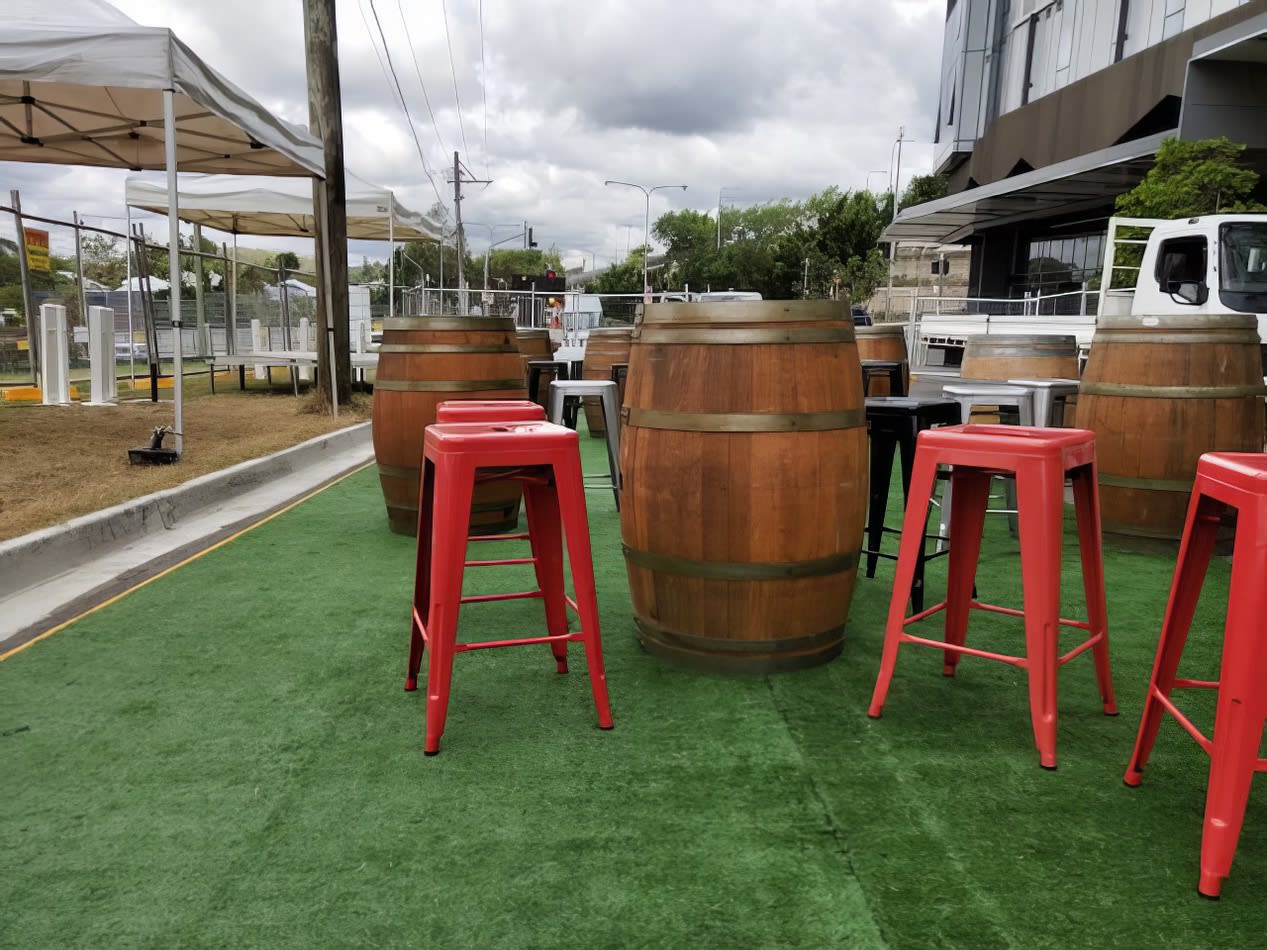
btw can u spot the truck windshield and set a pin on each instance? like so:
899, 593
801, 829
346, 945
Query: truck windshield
1243, 266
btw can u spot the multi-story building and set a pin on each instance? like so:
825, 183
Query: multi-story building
1049, 109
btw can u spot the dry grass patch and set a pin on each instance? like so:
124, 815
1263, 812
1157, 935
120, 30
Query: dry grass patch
62, 462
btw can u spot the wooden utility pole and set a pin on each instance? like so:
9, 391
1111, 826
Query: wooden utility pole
325, 116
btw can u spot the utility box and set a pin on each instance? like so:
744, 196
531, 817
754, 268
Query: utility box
101, 356
54, 355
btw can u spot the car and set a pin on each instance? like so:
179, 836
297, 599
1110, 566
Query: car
134, 351
715, 296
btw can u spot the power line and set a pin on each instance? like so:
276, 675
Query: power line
418, 73
484, 90
404, 105
448, 40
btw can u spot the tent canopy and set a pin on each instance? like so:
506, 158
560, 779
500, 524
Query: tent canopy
82, 84
280, 206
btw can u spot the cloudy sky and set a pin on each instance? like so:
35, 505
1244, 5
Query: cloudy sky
742, 100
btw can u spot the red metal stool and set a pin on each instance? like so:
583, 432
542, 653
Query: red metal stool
1225, 480
546, 459
1040, 458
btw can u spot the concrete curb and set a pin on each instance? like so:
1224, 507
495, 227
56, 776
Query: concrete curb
41, 555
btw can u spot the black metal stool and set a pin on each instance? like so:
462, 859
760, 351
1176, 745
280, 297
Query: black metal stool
620, 372
558, 369
895, 422
893, 370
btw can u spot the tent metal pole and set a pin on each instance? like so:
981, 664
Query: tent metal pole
127, 244
173, 259
391, 254
232, 344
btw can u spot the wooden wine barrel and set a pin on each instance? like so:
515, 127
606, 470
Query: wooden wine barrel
884, 341
535, 345
744, 458
605, 346
424, 361
1019, 356
1158, 392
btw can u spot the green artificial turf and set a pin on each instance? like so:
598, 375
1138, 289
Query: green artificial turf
226, 757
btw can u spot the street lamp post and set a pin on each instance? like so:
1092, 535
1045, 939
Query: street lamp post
646, 225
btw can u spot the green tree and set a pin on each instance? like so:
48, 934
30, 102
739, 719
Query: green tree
287, 259
622, 278
923, 188
104, 260
1193, 178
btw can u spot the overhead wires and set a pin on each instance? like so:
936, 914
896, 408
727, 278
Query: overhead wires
484, 90
418, 72
403, 104
454, 73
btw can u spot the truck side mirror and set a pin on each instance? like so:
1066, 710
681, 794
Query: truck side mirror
1188, 291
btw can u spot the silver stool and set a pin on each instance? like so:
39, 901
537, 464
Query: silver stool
1050, 396
563, 392
971, 393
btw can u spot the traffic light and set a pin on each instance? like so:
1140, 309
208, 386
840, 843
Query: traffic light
531, 242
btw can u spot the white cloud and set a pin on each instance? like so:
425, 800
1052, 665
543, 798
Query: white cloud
759, 99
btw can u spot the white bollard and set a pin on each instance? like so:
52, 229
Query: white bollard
305, 372
54, 355
101, 356
259, 343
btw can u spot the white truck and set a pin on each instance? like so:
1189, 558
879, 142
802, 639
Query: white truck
1212, 264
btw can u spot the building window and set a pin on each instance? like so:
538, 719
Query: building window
1028, 80
1121, 31
1056, 265
1174, 18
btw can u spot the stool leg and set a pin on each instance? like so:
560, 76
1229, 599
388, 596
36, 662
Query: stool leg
418, 619
906, 444
970, 497
455, 482
882, 445
1040, 497
1195, 550
571, 495
545, 534
1238, 720
922, 478
554, 408
611, 420
1086, 498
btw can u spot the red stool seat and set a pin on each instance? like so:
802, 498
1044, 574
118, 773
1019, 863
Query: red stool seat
546, 459
1225, 481
1040, 458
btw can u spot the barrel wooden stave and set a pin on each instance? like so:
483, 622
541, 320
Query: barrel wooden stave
603, 347
1183, 375
884, 341
475, 355
1020, 356
756, 509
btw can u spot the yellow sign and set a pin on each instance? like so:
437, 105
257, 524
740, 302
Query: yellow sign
36, 249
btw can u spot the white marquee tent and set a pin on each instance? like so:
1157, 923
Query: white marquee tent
82, 84
237, 204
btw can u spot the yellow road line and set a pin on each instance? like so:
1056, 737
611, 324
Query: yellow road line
193, 557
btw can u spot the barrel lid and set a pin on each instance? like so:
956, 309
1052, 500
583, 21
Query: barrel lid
746, 311
1178, 321
1021, 339
881, 329
498, 324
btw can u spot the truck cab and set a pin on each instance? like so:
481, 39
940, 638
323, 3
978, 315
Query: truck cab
1212, 264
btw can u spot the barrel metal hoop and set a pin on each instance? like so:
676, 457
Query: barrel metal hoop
447, 385
985, 351
448, 348
398, 471
733, 312
1232, 336
730, 336
744, 421
1146, 484
742, 571
1171, 392
469, 324
715, 645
